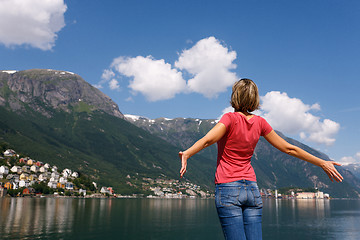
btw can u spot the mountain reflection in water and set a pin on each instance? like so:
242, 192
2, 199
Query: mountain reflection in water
69, 218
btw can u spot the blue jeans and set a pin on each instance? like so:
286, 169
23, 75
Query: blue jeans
239, 207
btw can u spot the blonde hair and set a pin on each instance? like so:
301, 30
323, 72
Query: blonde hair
245, 96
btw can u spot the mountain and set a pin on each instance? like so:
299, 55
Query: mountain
354, 168
45, 90
273, 168
57, 117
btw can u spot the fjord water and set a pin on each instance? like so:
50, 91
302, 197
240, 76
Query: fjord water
67, 218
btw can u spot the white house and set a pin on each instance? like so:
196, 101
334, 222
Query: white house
66, 172
42, 177
75, 175
54, 169
69, 186
34, 168
23, 183
55, 175
16, 169
4, 170
25, 168
42, 169
52, 179
82, 192
9, 153
52, 184
62, 180
47, 166
104, 190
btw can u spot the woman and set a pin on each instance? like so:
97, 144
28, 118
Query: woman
237, 196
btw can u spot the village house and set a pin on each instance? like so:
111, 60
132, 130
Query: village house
42, 177
23, 160
30, 162
24, 183
42, 169
107, 190
47, 166
26, 169
16, 169
82, 192
66, 172
3, 191
75, 175
62, 180
4, 170
9, 153
34, 168
305, 195
52, 184
8, 185
60, 185
55, 175
69, 186
52, 179
28, 191
24, 176
54, 169
33, 177
39, 164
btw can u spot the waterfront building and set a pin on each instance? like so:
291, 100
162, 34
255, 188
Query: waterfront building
3, 191
52, 184
4, 170
8, 185
24, 183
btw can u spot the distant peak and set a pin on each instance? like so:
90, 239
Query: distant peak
9, 71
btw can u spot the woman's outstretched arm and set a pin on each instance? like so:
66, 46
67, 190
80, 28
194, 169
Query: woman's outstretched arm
214, 135
328, 166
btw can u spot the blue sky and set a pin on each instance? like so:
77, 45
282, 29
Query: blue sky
180, 58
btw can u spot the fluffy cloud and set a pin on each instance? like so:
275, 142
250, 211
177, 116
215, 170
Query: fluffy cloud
350, 160
114, 84
209, 62
291, 115
31, 22
155, 79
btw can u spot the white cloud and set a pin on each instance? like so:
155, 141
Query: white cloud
226, 110
350, 160
114, 84
107, 75
155, 79
292, 116
210, 63
31, 22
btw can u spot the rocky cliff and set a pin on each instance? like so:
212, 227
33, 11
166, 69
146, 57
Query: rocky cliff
47, 89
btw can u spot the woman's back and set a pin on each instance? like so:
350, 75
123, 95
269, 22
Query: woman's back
237, 146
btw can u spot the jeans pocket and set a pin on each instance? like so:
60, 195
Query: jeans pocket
228, 196
257, 197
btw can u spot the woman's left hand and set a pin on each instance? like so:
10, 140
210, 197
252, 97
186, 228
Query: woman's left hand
330, 170
184, 159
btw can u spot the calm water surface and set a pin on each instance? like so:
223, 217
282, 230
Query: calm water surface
66, 218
